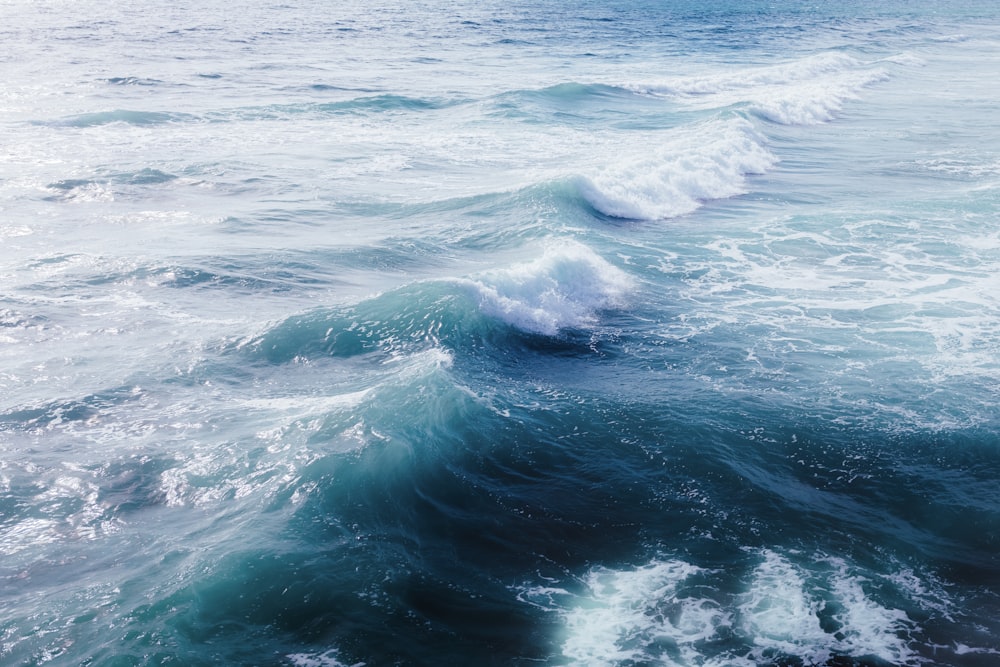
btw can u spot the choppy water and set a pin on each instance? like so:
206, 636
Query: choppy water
534, 332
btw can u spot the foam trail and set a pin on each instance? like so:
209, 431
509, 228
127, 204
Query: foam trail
565, 288
708, 161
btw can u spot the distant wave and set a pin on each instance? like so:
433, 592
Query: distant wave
567, 93
578, 101
804, 92
124, 116
367, 104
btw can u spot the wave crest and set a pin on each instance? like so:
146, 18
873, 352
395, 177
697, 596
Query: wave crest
563, 289
707, 162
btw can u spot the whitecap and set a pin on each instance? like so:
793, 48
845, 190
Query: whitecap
564, 288
691, 166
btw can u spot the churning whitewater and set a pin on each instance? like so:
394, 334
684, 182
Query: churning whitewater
447, 333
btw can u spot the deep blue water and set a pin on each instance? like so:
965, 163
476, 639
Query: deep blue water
535, 332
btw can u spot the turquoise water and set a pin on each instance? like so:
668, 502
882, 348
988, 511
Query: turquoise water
449, 333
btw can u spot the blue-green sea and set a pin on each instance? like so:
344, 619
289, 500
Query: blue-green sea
650, 333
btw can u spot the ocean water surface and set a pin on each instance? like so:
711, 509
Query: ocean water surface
649, 333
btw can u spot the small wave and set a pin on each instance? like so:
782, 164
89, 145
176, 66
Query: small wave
709, 161
387, 103
80, 190
408, 318
804, 92
141, 118
572, 92
957, 38
905, 59
565, 288
355, 106
571, 100
132, 81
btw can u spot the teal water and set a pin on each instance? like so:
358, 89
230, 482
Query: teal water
622, 333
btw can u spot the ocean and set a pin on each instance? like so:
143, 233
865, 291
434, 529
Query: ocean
621, 333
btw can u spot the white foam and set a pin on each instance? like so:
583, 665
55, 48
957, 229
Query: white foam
564, 288
803, 92
663, 613
780, 615
327, 658
692, 165
868, 627
628, 615
782, 608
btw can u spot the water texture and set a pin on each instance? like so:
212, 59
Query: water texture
451, 333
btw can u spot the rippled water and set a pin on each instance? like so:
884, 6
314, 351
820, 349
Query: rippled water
620, 333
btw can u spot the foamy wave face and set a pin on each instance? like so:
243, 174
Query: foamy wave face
565, 288
669, 612
709, 161
804, 92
